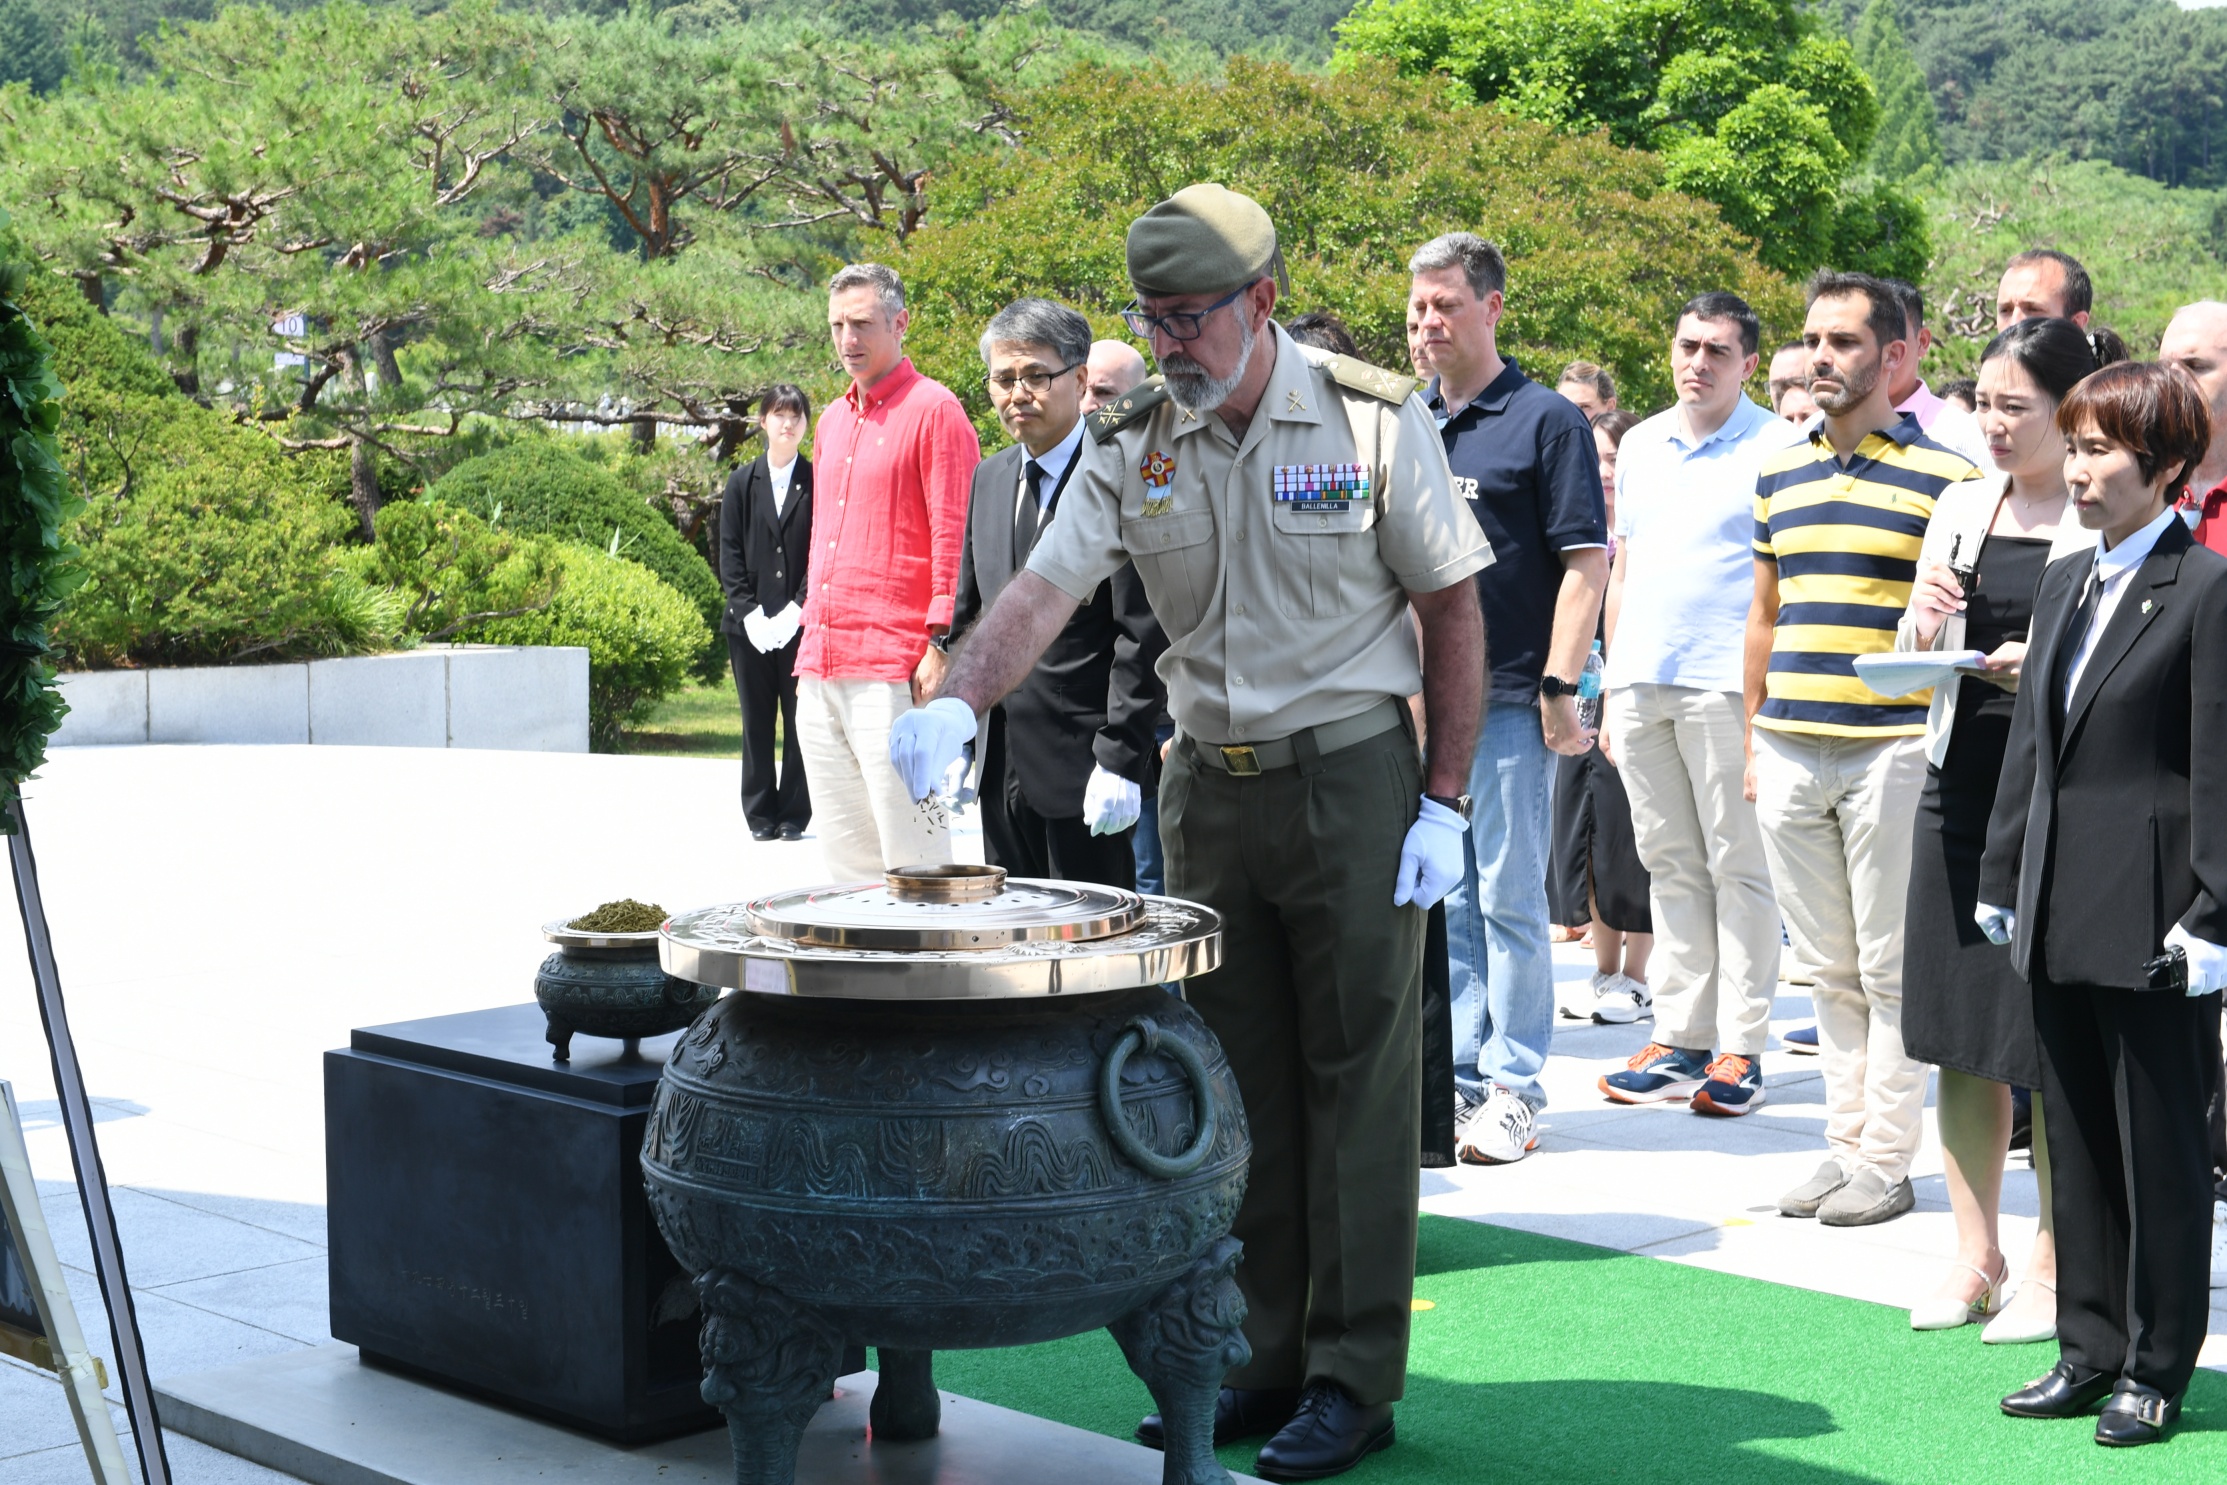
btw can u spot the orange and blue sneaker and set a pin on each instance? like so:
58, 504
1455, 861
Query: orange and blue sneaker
1735, 1087
1658, 1074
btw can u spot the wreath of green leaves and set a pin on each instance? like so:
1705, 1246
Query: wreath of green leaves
38, 563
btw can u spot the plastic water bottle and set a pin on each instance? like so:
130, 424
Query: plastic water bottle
1589, 691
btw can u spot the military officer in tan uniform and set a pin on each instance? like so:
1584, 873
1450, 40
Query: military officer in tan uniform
1286, 510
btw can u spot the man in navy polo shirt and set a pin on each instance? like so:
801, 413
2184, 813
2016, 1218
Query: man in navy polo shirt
1523, 456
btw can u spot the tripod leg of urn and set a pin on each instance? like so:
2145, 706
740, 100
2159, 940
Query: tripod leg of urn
1182, 1343
768, 1365
906, 1406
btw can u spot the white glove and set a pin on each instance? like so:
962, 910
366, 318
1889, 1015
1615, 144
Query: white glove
2207, 962
784, 625
926, 741
758, 630
1997, 923
1431, 857
1111, 804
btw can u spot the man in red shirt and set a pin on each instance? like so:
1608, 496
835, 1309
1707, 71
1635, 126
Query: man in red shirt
2196, 342
893, 463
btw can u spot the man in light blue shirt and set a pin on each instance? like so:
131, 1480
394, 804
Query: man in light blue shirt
1677, 617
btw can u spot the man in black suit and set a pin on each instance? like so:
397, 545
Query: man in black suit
1067, 756
765, 539
2106, 871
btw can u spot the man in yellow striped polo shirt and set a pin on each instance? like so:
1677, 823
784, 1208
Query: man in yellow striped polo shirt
1835, 768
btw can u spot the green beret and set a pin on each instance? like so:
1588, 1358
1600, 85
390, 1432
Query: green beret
1205, 239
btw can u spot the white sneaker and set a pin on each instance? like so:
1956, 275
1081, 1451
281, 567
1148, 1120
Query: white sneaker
1500, 1131
2219, 1245
1595, 988
1622, 1000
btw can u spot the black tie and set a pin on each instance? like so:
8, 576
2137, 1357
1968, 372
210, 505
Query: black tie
2076, 631
1027, 518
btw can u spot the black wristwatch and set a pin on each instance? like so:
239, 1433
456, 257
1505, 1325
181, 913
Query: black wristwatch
941, 642
1554, 685
1458, 803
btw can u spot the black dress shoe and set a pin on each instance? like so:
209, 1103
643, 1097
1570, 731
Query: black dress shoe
763, 832
1330, 1434
2066, 1392
792, 832
1239, 1413
2136, 1415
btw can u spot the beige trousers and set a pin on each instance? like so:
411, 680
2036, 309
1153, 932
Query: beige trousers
1837, 815
865, 820
1716, 960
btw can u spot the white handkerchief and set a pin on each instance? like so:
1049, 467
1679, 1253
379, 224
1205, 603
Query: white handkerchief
1898, 673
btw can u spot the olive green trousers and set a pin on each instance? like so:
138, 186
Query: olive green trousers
1317, 1006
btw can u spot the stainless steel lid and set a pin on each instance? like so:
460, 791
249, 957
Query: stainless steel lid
946, 907
943, 933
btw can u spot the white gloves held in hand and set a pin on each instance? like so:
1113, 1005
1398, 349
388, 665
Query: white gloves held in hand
769, 632
925, 742
1111, 804
1431, 857
2207, 961
1997, 923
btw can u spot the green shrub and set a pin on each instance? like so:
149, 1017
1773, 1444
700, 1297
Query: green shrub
36, 504
538, 486
216, 549
450, 573
641, 636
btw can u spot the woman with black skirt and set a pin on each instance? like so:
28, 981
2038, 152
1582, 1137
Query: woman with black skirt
1965, 1007
1593, 870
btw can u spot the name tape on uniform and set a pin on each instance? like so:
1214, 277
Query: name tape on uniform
1321, 488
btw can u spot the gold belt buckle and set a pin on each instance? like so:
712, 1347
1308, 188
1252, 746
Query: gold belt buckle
1242, 761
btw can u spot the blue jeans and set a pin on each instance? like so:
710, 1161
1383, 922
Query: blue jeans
1151, 866
1496, 920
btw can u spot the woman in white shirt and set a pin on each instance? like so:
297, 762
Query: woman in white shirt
1965, 1007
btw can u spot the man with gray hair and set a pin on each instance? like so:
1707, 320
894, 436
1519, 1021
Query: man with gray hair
1065, 757
892, 462
1524, 460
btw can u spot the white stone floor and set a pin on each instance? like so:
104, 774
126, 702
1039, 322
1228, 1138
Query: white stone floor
223, 915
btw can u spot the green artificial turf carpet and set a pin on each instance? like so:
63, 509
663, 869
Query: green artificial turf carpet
1542, 1361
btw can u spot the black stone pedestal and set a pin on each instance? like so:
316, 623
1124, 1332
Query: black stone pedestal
487, 1223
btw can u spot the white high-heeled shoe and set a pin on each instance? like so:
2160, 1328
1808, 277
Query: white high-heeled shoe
1948, 1314
1998, 1333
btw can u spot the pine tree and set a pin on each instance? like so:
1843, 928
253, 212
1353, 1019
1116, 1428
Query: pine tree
29, 50
1907, 147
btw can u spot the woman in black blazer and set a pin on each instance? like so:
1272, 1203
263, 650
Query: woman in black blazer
765, 539
2115, 901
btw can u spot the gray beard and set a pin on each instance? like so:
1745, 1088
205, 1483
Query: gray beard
1196, 392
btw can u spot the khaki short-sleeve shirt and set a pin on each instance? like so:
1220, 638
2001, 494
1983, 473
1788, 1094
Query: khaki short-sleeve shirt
1278, 563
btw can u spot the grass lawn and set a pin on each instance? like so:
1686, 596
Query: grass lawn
699, 722
1542, 1362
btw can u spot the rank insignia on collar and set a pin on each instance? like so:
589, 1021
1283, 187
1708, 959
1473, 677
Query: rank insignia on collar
1293, 402
1157, 469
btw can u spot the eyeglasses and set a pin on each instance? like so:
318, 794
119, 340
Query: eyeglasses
1037, 382
1182, 324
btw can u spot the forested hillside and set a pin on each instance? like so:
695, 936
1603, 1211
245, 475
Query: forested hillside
38, 37
2134, 82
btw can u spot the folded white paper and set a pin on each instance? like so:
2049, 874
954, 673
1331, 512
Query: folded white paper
1898, 673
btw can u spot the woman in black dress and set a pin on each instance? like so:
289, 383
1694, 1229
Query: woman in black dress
1964, 1005
1593, 870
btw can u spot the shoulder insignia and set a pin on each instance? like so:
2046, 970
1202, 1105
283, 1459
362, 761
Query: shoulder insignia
1126, 409
1360, 376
